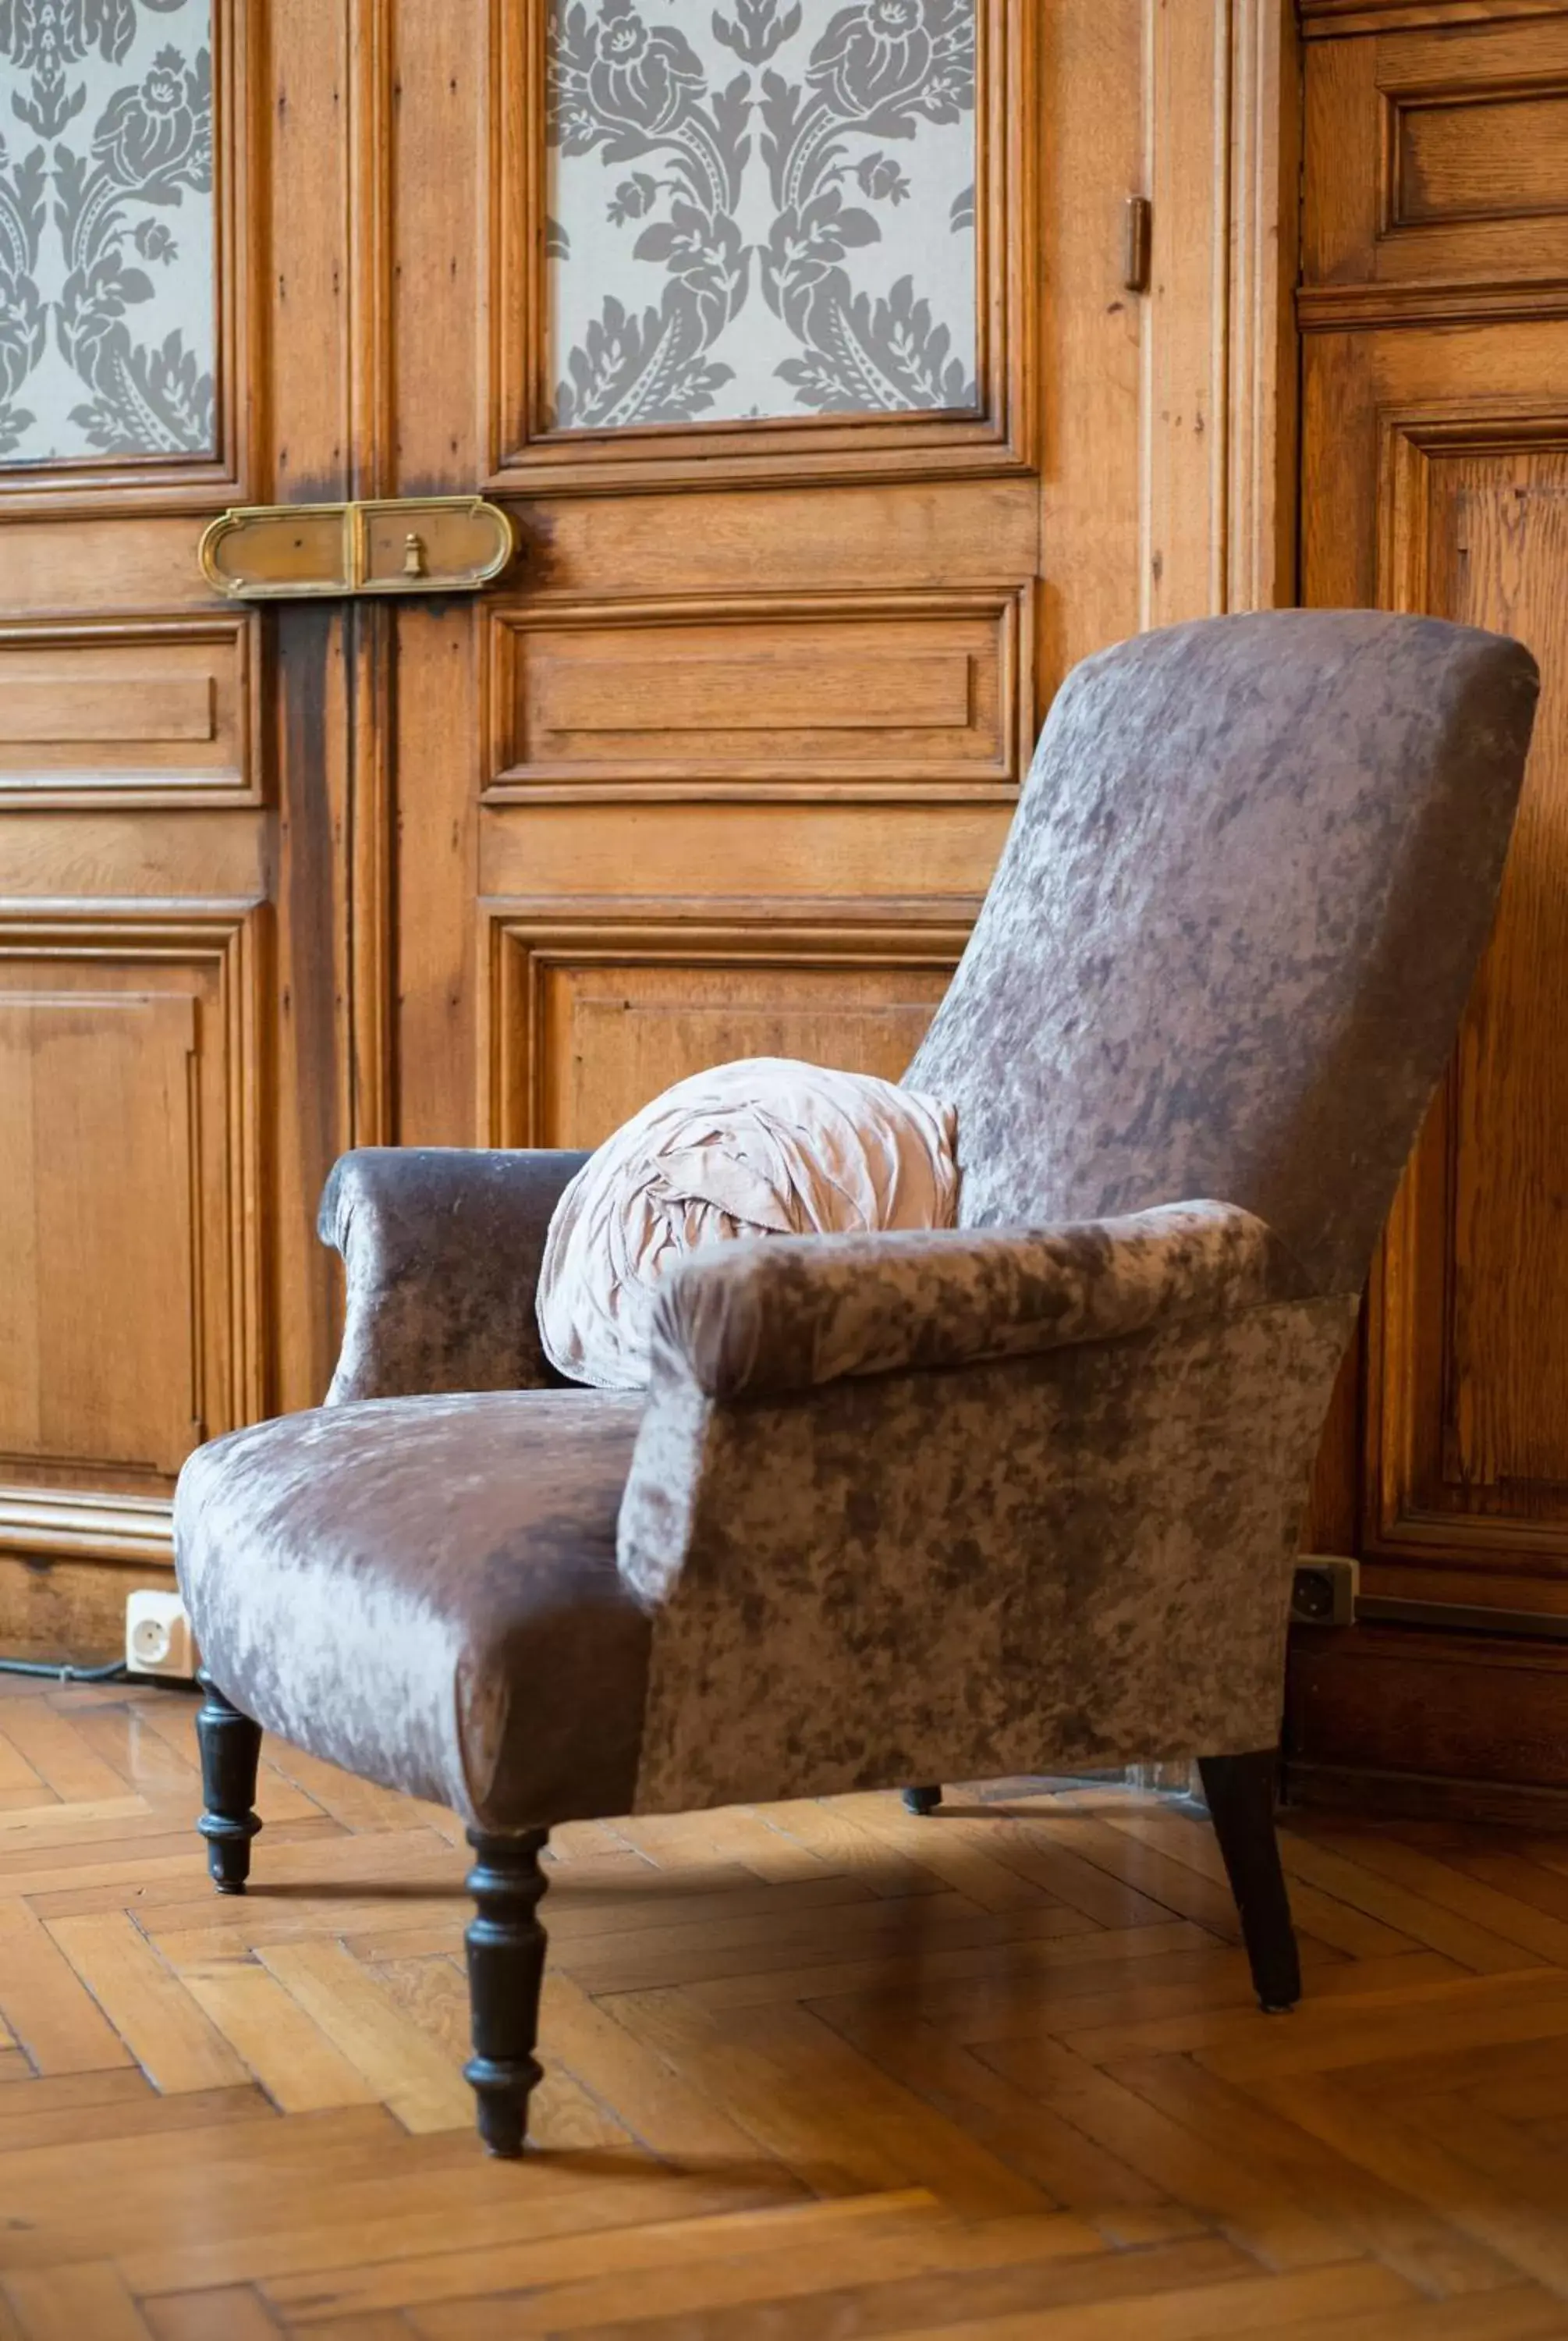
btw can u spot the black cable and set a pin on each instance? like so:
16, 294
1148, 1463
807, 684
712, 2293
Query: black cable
59, 1672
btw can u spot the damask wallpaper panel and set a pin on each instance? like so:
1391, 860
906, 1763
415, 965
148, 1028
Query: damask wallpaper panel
106, 229
760, 208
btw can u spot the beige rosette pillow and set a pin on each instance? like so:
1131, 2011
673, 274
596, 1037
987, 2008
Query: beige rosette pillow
764, 1147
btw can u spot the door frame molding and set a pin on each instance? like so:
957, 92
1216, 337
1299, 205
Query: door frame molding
1222, 136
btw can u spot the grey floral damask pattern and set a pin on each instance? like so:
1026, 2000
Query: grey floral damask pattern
764, 207
106, 290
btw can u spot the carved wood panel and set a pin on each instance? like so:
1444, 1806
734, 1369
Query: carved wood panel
1447, 144
1468, 1439
592, 1011
1434, 478
917, 696
130, 711
130, 1114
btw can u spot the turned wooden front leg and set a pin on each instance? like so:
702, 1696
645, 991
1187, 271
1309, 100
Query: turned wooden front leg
506, 1947
231, 1746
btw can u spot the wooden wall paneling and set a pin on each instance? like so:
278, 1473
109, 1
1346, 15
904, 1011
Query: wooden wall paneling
120, 855
1263, 197
526, 456
1090, 161
910, 697
370, 850
1408, 112
445, 164
369, 636
100, 1275
1323, 20
332, 386
1451, 451
130, 1038
132, 1280
1436, 478
136, 866
1218, 474
311, 1106
143, 713
437, 875
1468, 1450
593, 1008
1494, 158
745, 854
1186, 85
1388, 1718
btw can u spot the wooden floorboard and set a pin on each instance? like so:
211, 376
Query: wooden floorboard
814, 2071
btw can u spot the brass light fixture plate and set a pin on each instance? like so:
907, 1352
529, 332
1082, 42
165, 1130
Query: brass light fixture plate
403, 544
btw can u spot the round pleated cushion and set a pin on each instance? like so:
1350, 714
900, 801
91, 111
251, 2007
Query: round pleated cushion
763, 1146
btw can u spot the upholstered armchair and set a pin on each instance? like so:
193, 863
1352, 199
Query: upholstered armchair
912, 1508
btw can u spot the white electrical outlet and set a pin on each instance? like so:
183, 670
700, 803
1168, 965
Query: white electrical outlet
158, 1637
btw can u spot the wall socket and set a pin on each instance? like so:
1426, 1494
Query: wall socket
1323, 1589
158, 1637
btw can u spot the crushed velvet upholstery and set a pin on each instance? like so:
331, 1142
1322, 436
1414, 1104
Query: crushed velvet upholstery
932, 1508
442, 1250
1072, 1558
1234, 924
788, 1316
431, 1598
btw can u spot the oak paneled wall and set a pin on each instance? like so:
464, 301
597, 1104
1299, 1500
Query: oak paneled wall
160, 968
591, 1017
130, 712
1469, 1430
1436, 479
1447, 141
131, 1299
903, 697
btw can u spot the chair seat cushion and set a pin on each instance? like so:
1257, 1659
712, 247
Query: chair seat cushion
424, 1591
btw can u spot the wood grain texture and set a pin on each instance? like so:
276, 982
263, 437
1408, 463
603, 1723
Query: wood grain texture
1433, 479
137, 713
908, 699
590, 1015
1447, 139
128, 1051
810, 2069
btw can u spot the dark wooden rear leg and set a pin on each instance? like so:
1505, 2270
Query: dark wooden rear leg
1239, 1790
506, 1947
921, 1800
231, 1746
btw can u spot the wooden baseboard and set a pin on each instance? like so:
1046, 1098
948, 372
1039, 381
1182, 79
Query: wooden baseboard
68, 1609
1416, 1796
1395, 1719
67, 1563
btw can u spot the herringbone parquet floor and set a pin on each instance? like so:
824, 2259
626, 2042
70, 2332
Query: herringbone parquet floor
815, 2071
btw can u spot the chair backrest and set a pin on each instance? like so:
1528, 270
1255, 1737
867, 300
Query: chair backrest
1230, 937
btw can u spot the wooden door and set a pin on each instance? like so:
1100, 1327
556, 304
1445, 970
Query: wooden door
723, 770
738, 311
1436, 478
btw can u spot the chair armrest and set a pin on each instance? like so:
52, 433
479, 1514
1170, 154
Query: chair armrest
766, 1319
955, 1507
442, 1246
